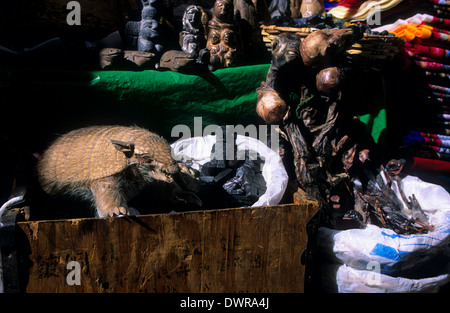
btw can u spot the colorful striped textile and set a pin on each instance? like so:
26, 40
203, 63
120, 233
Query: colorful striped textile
425, 153
438, 149
359, 10
417, 20
432, 141
441, 95
433, 66
431, 164
440, 89
428, 51
411, 32
429, 135
410, 140
440, 2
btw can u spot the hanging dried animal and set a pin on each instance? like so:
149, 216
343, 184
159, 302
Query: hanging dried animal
323, 149
271, 107
311, 7
327, 46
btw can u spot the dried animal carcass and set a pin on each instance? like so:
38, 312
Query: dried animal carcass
314, 70
327, 46
107, 165
271, 107
377, 203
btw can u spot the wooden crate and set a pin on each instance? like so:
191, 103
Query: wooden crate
229, 250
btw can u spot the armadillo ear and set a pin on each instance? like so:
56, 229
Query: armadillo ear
126, 147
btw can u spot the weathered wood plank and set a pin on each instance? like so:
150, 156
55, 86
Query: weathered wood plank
231, 250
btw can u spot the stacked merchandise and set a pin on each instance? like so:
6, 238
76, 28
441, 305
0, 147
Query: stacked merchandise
425, 25
428, 46
418, 99
359, 10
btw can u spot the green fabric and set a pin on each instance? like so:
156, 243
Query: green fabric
375, 123
364, 97
65, 100
225, 96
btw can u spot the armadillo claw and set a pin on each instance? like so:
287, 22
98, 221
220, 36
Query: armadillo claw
185, 169
118, 211
123, 211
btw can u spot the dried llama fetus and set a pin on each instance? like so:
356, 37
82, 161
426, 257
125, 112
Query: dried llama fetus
107, 165
330, 79
270, 106
311, 7
326, 46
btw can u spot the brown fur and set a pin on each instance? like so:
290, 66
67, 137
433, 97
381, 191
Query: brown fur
108, 165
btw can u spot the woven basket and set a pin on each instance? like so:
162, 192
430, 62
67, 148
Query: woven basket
370, 47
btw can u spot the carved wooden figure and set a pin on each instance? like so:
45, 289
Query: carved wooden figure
192, 37
194, 56
224, 36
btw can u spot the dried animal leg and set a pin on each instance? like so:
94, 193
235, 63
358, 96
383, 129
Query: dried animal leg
108, 197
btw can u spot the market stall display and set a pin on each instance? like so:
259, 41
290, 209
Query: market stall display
427, 40
336, 198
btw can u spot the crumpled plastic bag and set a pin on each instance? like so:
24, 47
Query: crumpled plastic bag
198, 150
350, 280
9, 204
394, 254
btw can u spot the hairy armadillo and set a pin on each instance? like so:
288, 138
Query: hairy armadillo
107, 165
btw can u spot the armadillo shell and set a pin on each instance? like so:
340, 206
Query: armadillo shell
84, 155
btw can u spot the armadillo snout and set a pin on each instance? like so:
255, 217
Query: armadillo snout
163, 172
170, 169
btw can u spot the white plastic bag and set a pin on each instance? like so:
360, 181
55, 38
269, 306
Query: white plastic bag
394, 254
198, 150
350, 280
8, 204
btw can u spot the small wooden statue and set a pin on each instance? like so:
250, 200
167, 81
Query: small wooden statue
149, 38
144, 41
224, 37
193, 57
192, 37
145, 35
